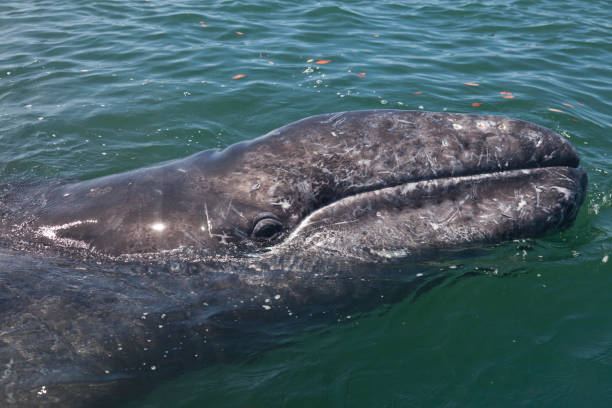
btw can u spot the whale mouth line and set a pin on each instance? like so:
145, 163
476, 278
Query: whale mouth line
400, 182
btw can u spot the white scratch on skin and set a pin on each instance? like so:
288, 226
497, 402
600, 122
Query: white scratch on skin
208, 221
405, 121
229, 207
564, 177
223, 237
335, 116
448, 219
457, 126
339, 122
566, 193
537, 190
284, 204
50, 232
237, 212
431, 163
347, 150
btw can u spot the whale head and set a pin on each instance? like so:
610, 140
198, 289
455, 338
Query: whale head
381, 184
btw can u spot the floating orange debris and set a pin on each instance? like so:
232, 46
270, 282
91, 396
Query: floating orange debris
417, 92
310, 60
567, 104
239, 32
238, 76
361, 74
203, 24
477, 104
555, 110
320, 62
508, 96
574, 120
505, 93
84, 70
271, 62
471, 84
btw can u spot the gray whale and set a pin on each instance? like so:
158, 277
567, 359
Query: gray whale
111, 284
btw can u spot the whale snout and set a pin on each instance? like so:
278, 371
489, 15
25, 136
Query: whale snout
449, 181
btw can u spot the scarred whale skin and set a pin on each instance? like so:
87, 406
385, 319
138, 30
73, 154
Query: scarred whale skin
111, 284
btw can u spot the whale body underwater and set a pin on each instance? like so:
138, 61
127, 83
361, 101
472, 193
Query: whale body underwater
110, 285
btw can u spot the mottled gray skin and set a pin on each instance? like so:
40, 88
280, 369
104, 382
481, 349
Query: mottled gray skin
169, 265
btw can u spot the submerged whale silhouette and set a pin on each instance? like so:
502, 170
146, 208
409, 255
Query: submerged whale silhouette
111, 283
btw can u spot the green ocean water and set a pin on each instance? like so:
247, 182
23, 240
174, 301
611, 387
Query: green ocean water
94, 88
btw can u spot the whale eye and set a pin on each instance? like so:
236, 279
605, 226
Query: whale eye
266, 226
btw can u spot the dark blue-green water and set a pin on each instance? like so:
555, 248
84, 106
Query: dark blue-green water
94, 88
